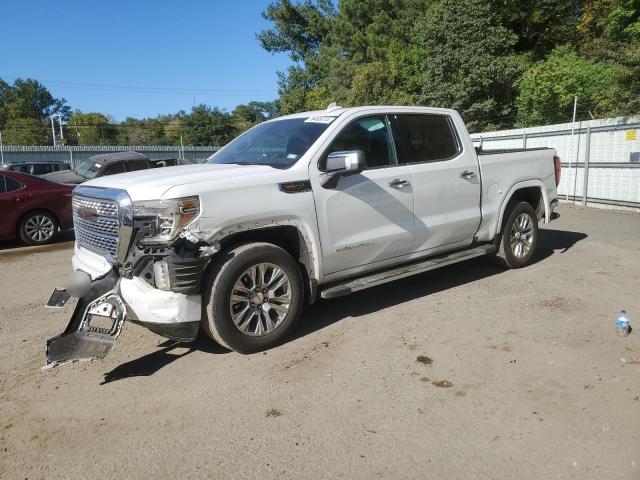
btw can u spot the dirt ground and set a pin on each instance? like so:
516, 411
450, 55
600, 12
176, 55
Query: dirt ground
461, 373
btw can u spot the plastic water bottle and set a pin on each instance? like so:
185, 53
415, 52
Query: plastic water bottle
622, 324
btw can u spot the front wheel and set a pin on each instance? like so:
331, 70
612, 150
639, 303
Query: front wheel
519, 237
253, 297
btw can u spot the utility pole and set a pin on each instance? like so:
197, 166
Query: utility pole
1, 150
53, 128
573, 128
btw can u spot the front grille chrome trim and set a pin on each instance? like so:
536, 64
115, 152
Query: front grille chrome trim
103, 221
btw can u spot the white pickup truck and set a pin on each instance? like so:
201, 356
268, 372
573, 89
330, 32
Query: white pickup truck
321, 203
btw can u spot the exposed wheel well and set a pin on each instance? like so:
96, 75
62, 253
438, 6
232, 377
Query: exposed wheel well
286, 237
531, 195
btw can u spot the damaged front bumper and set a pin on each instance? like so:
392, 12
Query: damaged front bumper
95, 324
105, 300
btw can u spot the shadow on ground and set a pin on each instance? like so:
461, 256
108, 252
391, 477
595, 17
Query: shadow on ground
154, 361
16, 247
326, 312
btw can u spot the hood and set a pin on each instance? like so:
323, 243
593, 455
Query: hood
155, 182
64, 176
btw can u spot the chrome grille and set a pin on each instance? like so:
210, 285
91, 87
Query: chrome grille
100, 207
98, 243
97, 225
101, 225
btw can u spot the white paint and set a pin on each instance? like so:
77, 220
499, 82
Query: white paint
94, 265
437, 211
149, 304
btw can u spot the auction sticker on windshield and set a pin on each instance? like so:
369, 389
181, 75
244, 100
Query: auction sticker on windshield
319, 119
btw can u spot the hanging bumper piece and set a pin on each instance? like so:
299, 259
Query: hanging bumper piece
95, 324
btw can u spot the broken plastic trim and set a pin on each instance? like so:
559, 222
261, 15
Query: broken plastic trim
83, 341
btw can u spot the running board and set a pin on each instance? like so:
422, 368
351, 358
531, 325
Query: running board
407, 270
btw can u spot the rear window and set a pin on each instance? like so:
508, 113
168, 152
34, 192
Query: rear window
8, 184
427, 138
12, 184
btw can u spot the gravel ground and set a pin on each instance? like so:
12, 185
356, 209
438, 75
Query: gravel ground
464, 372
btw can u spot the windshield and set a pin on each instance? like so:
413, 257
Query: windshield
88, 169
279, 143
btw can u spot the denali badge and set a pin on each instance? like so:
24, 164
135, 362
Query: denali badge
353, 245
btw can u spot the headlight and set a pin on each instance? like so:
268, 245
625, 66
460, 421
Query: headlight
170, 217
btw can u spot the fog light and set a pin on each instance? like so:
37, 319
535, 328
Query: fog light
161, 274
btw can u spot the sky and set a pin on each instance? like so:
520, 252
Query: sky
140, 58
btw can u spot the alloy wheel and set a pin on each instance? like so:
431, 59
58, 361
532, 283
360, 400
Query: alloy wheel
260, 299
39, 228
521, 238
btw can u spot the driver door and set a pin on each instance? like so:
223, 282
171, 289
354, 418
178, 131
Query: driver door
368, 217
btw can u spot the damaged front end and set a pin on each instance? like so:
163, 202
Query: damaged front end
134, 261
95, 324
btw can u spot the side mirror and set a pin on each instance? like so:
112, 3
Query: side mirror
342, 164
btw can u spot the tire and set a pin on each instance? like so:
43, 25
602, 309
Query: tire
262, 318
514, 249
37, 228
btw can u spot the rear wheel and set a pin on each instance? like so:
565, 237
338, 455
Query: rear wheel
253, 298
519, 237
37, 228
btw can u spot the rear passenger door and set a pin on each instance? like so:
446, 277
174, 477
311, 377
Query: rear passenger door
446, 181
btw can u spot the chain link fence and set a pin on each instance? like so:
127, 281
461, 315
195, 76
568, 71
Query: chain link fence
73, 155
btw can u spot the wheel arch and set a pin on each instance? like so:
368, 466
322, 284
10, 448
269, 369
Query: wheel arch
530, 191
290, 238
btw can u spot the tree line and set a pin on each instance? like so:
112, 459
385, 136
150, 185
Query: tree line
26, 105
500, 63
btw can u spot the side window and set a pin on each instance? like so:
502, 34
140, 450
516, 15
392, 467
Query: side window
115, 168
371, 136
41, 169
427, 138
135, 165
3, 186
12, 184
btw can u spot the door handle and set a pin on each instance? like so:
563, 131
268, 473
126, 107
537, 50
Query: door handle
467, 174
398, 183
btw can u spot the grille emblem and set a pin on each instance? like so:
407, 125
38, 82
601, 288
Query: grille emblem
87, 214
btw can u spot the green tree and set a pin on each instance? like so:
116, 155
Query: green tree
26, 131
208, 126
470, 63
548, 88
91, 128
540, 25
299, 28
377, 84
247, 115
24, 110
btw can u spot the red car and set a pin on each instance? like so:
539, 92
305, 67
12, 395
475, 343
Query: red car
33, 209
